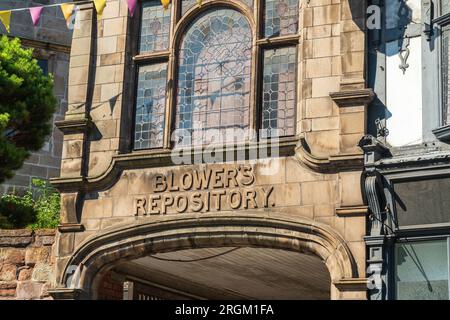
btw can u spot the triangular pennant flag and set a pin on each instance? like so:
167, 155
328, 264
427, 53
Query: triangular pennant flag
5, 17
67, 10
35, 13
199, 2
99, 6
165, 4
131, 6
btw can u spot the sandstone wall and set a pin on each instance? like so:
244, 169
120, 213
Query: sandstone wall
26, 263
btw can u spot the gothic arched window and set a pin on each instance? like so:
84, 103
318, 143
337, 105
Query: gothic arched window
202, 70
213, 91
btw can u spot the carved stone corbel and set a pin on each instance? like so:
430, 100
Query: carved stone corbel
332, 163
349, 98
71, 204
66, 294
376, 242
373, 149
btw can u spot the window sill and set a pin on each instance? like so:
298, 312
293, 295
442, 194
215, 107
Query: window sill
286, 145
442, 133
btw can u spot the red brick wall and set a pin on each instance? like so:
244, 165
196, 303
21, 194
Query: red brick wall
109, 288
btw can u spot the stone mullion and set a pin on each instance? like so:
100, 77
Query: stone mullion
256, 72
171, 71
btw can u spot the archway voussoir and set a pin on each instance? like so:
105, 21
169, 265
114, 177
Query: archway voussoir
243, 230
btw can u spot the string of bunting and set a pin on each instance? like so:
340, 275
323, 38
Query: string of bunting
68, 8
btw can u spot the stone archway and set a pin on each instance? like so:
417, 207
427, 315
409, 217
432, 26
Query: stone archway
168, 233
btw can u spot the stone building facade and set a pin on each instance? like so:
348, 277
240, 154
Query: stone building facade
127, 199
51, 41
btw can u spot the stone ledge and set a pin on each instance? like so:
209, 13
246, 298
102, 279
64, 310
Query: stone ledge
74, 125
352, 211
45, 232
347, 284
349, 98
442, 133
65, 293
16, 238
70, 227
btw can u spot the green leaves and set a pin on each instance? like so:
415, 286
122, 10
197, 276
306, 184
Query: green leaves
38, 208
4, 119
27, 100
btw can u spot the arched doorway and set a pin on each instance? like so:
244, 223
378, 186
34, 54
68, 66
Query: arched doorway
243, 273
250, 239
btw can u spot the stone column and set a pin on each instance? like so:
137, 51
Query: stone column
76, 129
77, 122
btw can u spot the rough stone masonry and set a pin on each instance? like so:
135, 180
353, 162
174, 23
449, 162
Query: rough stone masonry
26, 263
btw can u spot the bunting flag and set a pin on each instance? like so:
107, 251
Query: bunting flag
100, 6
5, 18
131, 6
35, 13
165, 4
67, 10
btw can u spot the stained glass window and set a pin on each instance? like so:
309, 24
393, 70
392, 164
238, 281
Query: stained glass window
278, 100
214, 76
281, 17
188, 4
150, 106
155, 27
445, 6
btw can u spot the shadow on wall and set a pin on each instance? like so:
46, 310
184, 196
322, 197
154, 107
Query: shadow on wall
397, 22
358, 12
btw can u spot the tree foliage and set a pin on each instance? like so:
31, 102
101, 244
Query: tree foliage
38, 208
27, 105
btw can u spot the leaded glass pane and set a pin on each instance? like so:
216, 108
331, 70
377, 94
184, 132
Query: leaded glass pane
422, 270
278, 96
214, 77
155, 27
445, 6
188, 4
281, 17
445, 77
150, 106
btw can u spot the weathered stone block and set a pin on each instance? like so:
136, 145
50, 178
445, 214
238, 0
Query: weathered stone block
7, 289
15, 238
8, 272
28, 290
42, 272
12, 255
25, 273
37, 255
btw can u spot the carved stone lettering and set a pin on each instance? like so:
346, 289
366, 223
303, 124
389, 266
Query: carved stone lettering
208, 190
